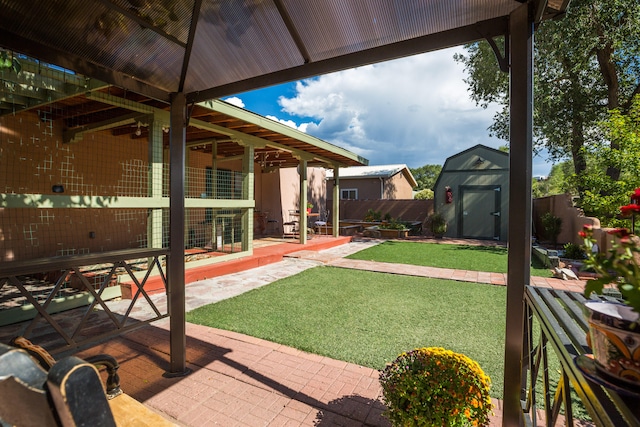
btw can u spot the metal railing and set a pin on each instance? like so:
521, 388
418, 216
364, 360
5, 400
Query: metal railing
95, 321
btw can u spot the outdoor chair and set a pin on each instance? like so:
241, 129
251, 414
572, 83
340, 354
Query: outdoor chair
323, 222
39, 391
290, 227
272, 224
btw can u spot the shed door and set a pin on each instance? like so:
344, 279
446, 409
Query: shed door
480, 211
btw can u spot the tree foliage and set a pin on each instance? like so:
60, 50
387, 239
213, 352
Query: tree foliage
585, 65
426, 176
603, 194
426, 194
559, 181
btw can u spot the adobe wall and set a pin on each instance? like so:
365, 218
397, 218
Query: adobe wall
573, 221
33, 159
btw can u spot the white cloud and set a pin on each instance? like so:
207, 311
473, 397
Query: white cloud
415, 110
290, 123
234, 100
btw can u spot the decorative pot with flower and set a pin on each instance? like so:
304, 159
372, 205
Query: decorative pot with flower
433, 386
309, 207
615, 327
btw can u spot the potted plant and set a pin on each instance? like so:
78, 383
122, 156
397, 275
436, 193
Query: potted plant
438, 225
614, 330
433, 386
309, 207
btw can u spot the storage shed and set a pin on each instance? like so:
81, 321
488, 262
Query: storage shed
472, 193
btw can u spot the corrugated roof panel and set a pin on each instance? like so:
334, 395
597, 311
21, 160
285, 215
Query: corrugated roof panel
101, 35
334, 27
171, 17
368, 171
239, 40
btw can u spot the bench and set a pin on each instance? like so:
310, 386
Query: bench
38, 391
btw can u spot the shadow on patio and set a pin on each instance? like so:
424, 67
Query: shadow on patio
241, 380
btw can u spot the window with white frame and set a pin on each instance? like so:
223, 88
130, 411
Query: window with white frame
349, 193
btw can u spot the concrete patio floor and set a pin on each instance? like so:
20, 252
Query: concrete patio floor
238, 380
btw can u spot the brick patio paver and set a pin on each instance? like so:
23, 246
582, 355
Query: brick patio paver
238, 380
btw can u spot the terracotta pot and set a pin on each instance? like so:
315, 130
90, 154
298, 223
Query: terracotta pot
309, 210
614, 334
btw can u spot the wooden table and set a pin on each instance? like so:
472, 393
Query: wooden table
563, 325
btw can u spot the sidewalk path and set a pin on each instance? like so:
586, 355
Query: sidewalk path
238, 380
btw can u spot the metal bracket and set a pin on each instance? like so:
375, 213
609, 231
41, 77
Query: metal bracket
503, 61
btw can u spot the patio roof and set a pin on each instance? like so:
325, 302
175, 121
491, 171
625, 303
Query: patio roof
211, 48
87, 105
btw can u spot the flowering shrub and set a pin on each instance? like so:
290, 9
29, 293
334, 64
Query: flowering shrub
620, 264
432, 386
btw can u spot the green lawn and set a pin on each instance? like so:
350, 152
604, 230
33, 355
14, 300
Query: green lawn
463, 257
369, 318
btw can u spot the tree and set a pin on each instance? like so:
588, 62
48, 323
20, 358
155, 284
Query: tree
426, 176
604, 194
558, 182
585, 65
425, 194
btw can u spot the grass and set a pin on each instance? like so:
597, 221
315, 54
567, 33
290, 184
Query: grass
462, 257
369, 318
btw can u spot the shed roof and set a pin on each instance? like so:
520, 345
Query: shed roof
471, 150
207, 49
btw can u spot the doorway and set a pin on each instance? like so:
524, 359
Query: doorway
479, 214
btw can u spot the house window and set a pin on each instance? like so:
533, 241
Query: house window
349, 193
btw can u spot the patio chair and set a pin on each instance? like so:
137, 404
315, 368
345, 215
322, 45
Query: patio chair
39, 391
323, 222
290, 228
272, 224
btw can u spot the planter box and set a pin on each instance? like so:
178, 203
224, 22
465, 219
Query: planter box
393, 234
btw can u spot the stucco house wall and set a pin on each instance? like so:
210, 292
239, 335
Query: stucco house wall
374, 182
397, 187
290, 191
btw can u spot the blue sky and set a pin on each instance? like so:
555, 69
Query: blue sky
412, 111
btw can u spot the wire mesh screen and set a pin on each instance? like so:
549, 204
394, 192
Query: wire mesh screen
73, 193
87, 176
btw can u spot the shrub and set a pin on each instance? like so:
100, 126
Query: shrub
573, 251
432, 386
426, 194
394, 224
552, 227
372, 216
438, 224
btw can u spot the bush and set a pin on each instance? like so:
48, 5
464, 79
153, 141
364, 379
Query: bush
426, 194
573, 251
438, 224
552, 227
432, 386
372, 216
394, 224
